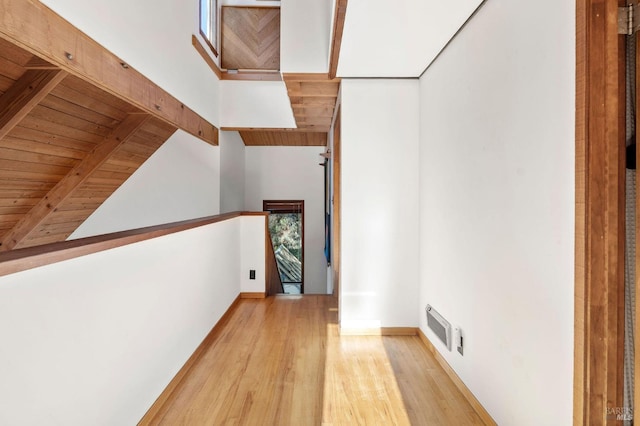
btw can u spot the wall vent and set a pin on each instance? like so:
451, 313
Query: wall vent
439, 326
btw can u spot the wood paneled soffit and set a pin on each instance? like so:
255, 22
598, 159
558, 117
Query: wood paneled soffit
313, 98
25, 94
67, 185
34, 27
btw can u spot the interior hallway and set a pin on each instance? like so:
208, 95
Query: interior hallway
280, 361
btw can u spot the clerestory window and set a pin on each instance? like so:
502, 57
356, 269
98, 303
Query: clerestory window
209, 23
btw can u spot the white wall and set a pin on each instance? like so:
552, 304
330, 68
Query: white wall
231, 172
379, 283
292, 173
180, 181
253, 253
304, 35
497, 206
96, 339
154, 37
255, 104
399, 38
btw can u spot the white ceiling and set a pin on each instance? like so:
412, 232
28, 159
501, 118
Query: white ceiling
398, 38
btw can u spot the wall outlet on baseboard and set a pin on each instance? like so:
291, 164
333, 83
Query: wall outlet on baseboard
252, 274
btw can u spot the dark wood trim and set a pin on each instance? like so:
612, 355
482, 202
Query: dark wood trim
32, 257
336, 42
175, 383
15, 237
299, 208
195, 41
599, 234
25, 94
35, 28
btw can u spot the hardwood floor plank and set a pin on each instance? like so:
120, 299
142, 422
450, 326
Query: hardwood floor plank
281, 360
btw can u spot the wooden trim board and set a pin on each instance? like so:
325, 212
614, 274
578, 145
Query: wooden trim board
252, 75
599, 214
195, 41
253, 295
340, 15
32, 257
480, 410
379, 331
193, 360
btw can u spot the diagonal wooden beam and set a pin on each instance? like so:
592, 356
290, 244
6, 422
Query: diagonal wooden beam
68, 184
32, 26
25, 94
336, 42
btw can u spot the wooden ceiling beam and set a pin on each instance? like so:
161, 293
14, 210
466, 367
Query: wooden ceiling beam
25, 94
32, 26
69, 183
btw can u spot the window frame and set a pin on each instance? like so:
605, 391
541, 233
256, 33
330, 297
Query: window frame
212, 24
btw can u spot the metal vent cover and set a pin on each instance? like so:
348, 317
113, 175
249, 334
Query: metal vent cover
439, 326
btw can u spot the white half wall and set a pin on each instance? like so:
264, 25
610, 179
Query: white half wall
292, 173
154, 37
180, 181
497, 206
306, 26
380, 130
253, 240
94, 340
255, 104
231, 172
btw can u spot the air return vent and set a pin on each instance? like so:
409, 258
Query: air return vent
439, 326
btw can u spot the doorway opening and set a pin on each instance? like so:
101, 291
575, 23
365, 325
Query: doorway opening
286, 228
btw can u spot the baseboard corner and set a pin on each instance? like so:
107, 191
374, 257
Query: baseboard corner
457, 381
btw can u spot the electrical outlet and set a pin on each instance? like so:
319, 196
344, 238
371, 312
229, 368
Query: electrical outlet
252, 274
459, 339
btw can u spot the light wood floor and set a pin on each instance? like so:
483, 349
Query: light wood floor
280, 361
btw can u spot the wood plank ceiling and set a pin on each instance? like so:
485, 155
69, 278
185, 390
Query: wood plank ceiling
283, 138
250, 38
313, 99
65, 146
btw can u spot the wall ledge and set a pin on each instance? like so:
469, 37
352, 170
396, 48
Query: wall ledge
32, 257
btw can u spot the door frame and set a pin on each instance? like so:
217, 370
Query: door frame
599, 213
289, 206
